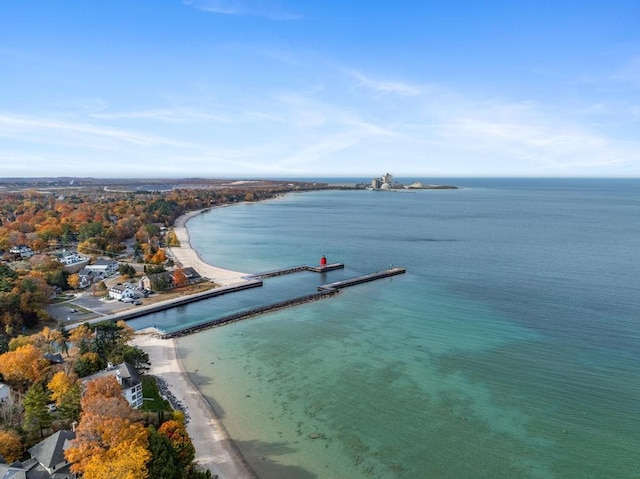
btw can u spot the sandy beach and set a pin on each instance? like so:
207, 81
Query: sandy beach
186, 256
214, 448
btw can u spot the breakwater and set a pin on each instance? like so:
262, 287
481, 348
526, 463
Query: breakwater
250, 313
324, 291
297, 269
362, 279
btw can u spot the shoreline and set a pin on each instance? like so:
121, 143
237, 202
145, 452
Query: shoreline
215, 449
187, 256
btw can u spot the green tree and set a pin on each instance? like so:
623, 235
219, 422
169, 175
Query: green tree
4, 344
70, 403
36, 415
163, 463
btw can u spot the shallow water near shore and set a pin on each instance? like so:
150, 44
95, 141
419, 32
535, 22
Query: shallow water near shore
509, 349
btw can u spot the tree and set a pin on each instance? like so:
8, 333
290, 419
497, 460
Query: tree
81, 338
48, 340
4, 344
177, 434
163, 463
180, 278
60, 384
110, 440
73, 281
89, 363
172, 239
132, 355
36, 414
11, 447
69, 405
24, 364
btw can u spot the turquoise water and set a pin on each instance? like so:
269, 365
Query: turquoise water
509, 349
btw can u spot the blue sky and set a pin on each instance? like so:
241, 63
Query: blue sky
275, 88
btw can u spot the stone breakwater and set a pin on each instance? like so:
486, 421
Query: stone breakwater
250, 313
324, 291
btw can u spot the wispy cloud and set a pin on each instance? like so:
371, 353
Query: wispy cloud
385, 86
166, 115
268, 9
11, 126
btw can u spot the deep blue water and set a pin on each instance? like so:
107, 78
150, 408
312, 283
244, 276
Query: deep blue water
511, 348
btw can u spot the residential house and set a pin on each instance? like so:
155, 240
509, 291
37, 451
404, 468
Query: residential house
12, 471
129, 381
72, 261
47, 457
5, 394
23, 250
169, 279
121, 291
103, 267
86, 278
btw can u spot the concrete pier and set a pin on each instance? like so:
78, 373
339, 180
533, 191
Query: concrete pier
297, 269
362, 279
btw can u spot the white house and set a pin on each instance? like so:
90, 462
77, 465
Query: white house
120, 292
128, 379
103, 267
23, 250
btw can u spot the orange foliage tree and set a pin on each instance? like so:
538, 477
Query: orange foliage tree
11, 447
24, 364
110, 439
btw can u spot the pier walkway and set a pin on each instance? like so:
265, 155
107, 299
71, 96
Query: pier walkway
297, 269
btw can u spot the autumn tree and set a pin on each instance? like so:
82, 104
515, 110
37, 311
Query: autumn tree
110, 439
24, 364
177, 434
180, 278
60, 384
11, 447
81, 338
172, 239
48, 340
73, 281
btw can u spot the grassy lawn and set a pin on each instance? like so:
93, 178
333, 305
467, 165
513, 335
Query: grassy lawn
152, 399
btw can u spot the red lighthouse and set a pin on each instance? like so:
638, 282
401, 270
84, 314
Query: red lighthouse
323, 261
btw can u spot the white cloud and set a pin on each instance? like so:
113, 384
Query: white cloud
37, 129
268, 9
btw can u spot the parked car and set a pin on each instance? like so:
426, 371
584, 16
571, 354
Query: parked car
127, 299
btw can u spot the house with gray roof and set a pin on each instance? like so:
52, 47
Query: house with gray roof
127, 377
47, 457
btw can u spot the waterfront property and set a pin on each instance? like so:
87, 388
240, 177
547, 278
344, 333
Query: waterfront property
128, 379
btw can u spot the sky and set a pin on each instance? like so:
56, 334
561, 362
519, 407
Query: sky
304, 89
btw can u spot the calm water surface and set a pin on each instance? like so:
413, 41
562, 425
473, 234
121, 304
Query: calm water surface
511, 348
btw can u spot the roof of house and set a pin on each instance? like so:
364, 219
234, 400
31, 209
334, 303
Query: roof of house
50, 452
191, 273
127, 374
9, 471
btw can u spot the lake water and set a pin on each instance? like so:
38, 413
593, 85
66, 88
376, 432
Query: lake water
511, 348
